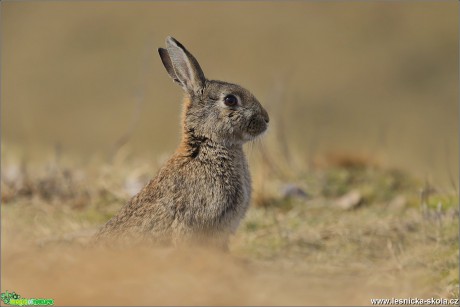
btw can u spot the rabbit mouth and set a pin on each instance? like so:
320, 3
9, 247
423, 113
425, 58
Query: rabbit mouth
255, 128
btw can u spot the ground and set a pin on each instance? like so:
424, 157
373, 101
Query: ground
338, 233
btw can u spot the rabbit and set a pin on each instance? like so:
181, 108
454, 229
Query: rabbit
203, 191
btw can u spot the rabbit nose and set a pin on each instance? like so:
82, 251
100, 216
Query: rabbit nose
265, 116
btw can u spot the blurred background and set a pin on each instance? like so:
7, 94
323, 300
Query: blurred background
379, 79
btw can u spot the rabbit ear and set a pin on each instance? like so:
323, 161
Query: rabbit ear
167, 64
186, 68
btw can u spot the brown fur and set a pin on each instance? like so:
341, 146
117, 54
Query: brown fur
183, 146
203, 191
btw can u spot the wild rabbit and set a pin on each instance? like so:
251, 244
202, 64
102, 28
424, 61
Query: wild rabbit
202, 192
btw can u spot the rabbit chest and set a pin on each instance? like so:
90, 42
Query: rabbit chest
215, 189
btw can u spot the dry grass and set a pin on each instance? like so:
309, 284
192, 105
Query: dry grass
399, 239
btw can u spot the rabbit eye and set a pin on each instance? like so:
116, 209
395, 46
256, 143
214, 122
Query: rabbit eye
231, 101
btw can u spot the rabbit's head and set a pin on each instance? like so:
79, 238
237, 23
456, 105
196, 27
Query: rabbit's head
223, 112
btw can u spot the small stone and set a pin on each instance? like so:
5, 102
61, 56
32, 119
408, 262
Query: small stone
350, 200
291, 190
133, 186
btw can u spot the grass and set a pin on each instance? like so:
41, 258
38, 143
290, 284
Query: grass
396, 237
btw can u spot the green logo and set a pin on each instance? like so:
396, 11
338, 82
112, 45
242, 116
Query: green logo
15, 299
